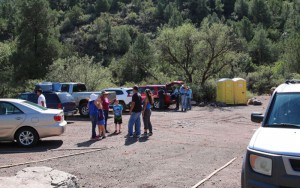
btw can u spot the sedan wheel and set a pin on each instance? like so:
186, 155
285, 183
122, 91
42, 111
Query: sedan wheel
26, 137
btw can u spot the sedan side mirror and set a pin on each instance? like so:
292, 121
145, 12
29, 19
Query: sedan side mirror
257, 117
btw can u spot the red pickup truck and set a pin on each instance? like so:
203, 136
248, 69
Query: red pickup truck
168, 92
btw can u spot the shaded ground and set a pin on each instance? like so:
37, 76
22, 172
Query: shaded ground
185, 148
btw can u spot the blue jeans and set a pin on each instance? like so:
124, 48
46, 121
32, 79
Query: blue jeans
135, 118
183, 102
105, 117
94, 119
189, 105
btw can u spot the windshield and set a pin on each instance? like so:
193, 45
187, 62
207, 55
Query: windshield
285, 110
34, 106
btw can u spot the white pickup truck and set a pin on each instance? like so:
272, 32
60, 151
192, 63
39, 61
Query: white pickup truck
78, 91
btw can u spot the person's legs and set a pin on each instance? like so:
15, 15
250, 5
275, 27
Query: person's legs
182, 102
149, 121
187, 103
131, 122
177, 102
103, 131
138, 123
120, 124
145, 122
94, 124
105, 117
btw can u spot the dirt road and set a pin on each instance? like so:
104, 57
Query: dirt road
184, 149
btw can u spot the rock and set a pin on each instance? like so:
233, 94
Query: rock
42, 177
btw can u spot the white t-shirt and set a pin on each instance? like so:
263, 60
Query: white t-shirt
40, 99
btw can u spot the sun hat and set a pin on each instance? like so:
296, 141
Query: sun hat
93, 97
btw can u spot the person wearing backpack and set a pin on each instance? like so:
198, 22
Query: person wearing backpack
148, 102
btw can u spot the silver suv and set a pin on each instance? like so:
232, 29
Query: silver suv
273, 154
124, 95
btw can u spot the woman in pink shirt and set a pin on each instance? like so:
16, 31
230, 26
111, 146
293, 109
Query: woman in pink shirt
105, 105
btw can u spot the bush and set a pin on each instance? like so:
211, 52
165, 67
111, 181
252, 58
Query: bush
206, 93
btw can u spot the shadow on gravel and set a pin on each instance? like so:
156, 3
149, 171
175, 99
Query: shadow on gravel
144, 139
130, 141
42, 146
87, 143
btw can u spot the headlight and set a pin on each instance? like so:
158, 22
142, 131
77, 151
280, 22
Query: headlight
261, 165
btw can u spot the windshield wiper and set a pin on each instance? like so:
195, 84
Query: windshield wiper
285, 125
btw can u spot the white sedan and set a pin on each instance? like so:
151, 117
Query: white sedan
26, 122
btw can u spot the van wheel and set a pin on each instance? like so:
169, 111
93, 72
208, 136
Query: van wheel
84, 110
27, 137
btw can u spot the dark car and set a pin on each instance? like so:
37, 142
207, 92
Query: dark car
54, 100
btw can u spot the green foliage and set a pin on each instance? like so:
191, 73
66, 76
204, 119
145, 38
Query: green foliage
260, 12
80, 69
6, 69
241, 8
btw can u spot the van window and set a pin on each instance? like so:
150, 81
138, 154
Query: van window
118, 92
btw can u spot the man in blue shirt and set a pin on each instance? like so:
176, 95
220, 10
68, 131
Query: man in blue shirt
182, 91
93, 111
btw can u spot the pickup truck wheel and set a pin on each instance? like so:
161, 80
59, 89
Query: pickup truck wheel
123, 105
84, 110
27, 137
156, 104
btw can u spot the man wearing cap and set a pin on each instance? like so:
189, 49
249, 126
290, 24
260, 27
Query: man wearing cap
41, 99
105, 105
93, 110
135, 113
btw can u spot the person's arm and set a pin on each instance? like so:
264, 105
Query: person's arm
145, 106
131, 107
43, 103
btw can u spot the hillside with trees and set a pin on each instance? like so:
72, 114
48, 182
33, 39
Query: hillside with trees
124, 42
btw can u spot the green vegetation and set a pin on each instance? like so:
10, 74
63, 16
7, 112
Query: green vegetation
122, 42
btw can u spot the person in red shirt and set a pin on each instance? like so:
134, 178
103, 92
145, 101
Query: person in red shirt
105, 105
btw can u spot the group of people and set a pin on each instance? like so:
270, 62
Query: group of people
99, 108
184, 95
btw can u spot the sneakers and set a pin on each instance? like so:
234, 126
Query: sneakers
130, 136
150, 134
145, 134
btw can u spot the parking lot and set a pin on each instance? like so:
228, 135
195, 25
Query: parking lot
185, 148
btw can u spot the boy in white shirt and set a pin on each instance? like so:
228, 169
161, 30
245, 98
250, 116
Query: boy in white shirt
41, 99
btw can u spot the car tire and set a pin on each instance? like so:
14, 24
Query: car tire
84, 110
123, 105
27, 137
156, 104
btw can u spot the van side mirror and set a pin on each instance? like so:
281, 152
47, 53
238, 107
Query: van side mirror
257, 117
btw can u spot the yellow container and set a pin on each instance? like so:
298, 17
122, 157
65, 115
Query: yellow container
225, 91
240, 91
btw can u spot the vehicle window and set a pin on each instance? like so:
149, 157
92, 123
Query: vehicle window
79, 88
118, 92
23, 96
32, 97
8, 108
129, 92
64, 88
51, 98
285, 109
34, 106
65, 97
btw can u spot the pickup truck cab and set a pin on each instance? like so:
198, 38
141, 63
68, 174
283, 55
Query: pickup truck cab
272, 159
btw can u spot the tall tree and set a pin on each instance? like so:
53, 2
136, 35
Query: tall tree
241, 8
38, 43
260, 12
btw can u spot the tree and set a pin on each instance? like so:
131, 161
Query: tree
136, 65
38, 42
80, 69
190, 52
241, 8
245, 29
292, 52
260, 12
102, 6
176, 19
260, 47
6, 69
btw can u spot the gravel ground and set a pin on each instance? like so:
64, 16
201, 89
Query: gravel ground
184, 149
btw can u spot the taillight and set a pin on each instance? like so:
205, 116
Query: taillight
59, 106
58, 118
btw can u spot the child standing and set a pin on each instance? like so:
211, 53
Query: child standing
117, 116
101, 119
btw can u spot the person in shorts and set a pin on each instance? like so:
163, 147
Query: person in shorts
117, 108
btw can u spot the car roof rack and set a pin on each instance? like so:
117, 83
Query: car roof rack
293, 81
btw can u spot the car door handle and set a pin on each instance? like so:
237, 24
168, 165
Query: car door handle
18, 118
